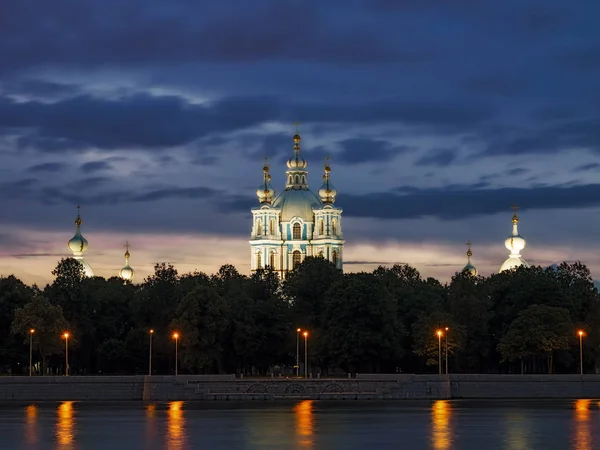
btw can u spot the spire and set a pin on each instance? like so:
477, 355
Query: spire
514, 243
296, 173
469, 267
78, 245
327, 192
127, 273
265, 192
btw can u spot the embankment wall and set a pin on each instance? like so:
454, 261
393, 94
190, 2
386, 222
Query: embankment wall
363, 386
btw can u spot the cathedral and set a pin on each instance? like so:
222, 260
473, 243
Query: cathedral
297, 223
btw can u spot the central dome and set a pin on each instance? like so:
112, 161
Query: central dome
297, 203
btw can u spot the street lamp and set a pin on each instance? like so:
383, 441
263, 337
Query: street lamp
580, 333
298, 330
446, 336
176, 337
31, 331
150, 354
439, 334
66, 338
305, 354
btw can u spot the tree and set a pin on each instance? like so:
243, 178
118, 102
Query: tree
537, 332
13, 295
362, 329
48, 322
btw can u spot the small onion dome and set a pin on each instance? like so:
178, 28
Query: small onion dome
126, 273
265, 192
470, 268
296, 161
327, 191
78, 244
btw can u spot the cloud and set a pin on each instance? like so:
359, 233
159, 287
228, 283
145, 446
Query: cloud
141, 32
587, 167
438, 157
452, 202
517, 171
52, 167
95, 166
362, 150
502, 84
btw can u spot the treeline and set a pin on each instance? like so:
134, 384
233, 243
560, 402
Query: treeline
522, 321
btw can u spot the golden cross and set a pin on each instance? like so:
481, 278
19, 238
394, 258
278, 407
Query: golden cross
468, 244
515, 207
126, 245
296, 123
78, 209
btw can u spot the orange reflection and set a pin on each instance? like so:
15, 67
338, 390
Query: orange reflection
150, 426
65, 430
175, 431
582, 433
31, 429
440, 421
304, 423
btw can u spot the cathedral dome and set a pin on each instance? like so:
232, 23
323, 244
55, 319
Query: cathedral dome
78, 244
297, 203
126, 273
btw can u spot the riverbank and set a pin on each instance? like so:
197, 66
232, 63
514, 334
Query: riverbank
363, 387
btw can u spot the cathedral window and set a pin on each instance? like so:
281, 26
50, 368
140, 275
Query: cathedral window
272, 260
258, 260
296, 231
321, 227
259, 228
272, 227
334, 258
334, 227
296, 258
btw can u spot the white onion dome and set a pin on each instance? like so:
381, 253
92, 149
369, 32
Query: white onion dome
514, 243
470, 268
265, 192
78, 244
327, 191
127, 273
296, 161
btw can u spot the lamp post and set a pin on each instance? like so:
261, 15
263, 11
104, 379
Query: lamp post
176, 337
66, 337
446, 337
150, 354
31, 331
580, 333
305, 354
439, 335
298, 352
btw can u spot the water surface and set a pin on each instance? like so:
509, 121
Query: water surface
305, 424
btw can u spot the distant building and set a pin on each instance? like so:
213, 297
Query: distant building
514, 243
470, 268
296, 223
127, 273
78, 245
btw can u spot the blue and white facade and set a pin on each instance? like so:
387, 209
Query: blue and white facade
296, 223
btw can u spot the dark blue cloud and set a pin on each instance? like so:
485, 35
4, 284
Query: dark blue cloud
95, 166
438, 157
49, 167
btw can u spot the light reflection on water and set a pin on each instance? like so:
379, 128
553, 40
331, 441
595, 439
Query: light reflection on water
303, 413
176, 433
31, 425
305, 424
440, 422
65, 425
582, 433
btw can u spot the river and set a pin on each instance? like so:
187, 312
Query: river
305, 424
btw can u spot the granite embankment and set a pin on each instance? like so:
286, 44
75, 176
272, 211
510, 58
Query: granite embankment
363, 386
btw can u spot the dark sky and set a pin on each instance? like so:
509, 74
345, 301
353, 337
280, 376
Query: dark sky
155, 116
